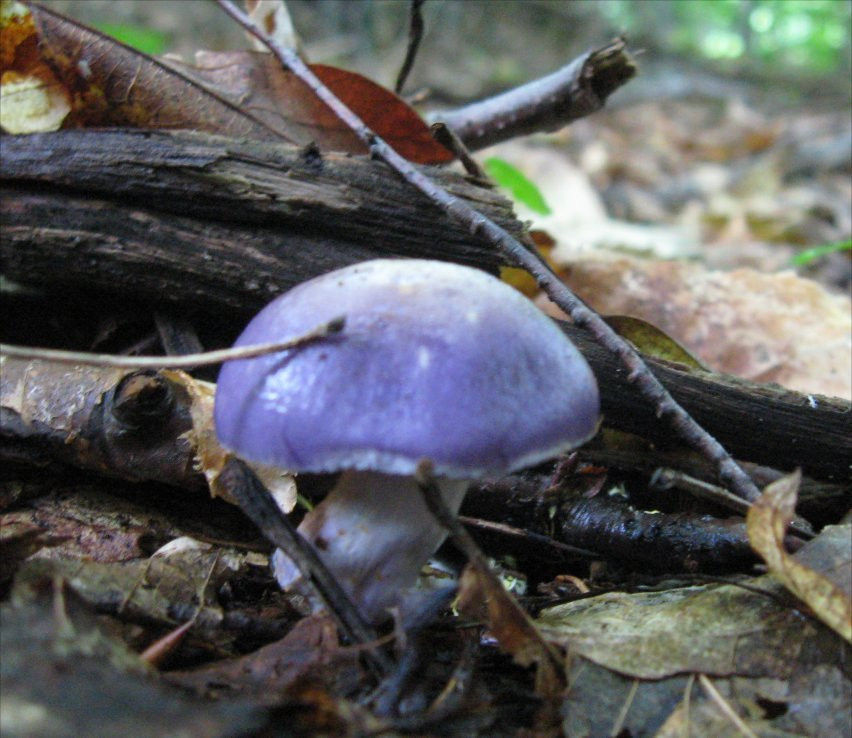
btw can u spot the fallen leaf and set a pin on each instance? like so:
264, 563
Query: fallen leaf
176, 584
763, 327
211, 457
310, 652
112, 84
286, 105
827, 593
651, 341
718, 630
481, 595
238, 93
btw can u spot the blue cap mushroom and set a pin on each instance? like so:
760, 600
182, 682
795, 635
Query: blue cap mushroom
436, 361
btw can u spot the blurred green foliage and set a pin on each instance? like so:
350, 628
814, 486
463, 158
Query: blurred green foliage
146, 40
517, 184
808, 256
805, 36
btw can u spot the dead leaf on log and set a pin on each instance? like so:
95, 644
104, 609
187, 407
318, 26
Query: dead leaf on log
238, 93
279, 99
651, 341
210, 457
822, 579
112, 84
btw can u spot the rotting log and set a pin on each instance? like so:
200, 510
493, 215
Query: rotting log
204, 220
763, 423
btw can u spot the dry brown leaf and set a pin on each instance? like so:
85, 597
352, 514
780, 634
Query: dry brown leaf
767, 523
240, 94
280, 99
113, 84
764, 327
211, 457
481, 595
310, 653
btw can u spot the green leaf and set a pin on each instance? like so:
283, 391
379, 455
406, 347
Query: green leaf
146, 40
808, 256
513, 180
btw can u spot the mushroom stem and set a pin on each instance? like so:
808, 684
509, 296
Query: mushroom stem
374, 533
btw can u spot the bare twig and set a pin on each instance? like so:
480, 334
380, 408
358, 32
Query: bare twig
729, 472
256, 502
415, 36
492, 526
447, 137
725, 707
663, 478
546, 104
172, 362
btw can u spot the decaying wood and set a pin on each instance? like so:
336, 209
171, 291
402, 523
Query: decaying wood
119, 423
187, 217
199, 220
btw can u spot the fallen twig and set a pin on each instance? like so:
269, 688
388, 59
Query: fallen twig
171, 362
546, 104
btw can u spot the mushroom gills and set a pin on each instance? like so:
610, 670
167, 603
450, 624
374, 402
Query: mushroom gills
374, 533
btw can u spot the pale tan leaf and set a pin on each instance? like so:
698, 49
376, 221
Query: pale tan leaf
211, 456
767, 523
763, 327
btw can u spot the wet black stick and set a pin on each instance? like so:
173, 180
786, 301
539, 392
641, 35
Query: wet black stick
681, 422
415, 36
257, 503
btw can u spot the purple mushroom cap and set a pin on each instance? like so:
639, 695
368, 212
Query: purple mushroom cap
435, 361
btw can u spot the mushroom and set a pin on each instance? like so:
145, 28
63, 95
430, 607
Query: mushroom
436, 361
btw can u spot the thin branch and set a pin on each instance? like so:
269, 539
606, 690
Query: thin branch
725, 707
415, 36
729, 472
546, 104
187, 361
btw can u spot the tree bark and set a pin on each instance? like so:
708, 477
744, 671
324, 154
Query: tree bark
204, 220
